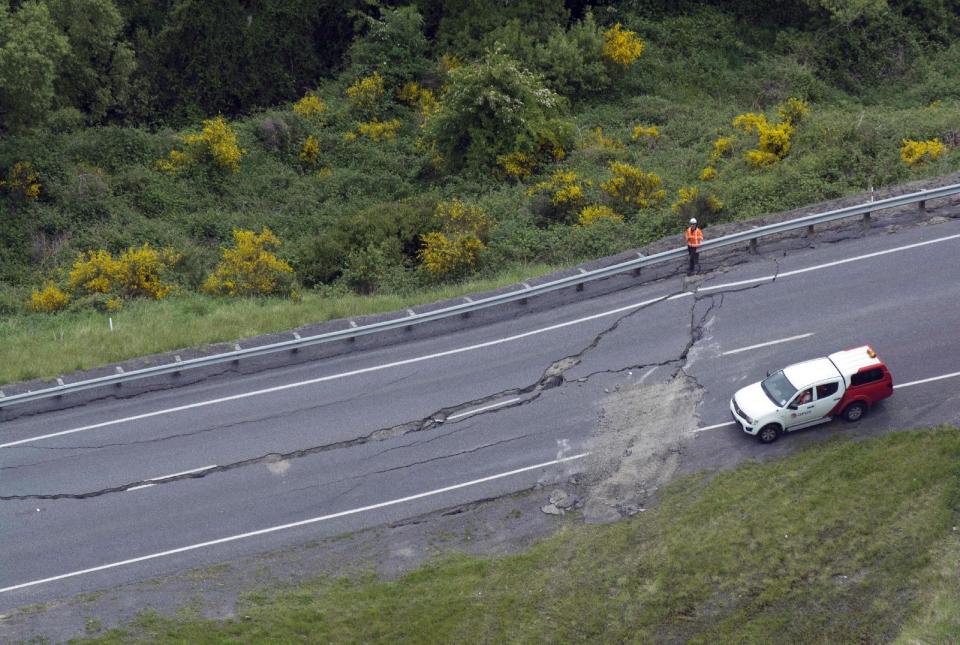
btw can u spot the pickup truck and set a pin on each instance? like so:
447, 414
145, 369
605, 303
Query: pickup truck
845, 384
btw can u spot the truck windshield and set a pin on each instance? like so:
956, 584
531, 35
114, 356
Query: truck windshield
778, 388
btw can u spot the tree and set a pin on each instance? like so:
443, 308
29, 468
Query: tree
95, 77
491, 108
31, 49
393, 45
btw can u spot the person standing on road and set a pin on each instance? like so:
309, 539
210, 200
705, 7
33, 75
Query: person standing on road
694, 237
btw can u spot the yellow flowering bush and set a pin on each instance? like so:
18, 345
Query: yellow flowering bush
309, 106
250, 267
138, 272
793, 110
633, 186
692, 196
448, 63
49, 300
708, 173
620, 46
773, 139
722, 147
651, 133
454, 249
310, 152
592, 214
23, 182
596, 139
422, 98
916, 152
519, 165
564, 187
379, 130
216, 144
366, 92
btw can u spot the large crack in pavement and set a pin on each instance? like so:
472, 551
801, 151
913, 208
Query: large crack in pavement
553, 376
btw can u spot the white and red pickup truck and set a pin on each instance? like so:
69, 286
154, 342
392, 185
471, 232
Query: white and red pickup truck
846, 384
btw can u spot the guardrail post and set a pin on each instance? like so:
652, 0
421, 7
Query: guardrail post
810, 230
753, 245
923, 206
865, 221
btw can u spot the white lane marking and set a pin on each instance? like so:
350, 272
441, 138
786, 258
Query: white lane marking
283, 527
646, 374
483, 409
138, 487
830, 264
365, 370
927, 380
769, 342
185, 472
714, 427
465, 349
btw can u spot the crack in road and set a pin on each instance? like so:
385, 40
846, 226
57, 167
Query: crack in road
553, 376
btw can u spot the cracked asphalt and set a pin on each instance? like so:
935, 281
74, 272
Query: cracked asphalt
628, 376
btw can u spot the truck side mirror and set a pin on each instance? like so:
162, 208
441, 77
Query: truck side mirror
768, 372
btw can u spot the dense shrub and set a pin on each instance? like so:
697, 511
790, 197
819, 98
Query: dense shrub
453, 250
139, 272
393, 45
215, 146
631, 185
250, 268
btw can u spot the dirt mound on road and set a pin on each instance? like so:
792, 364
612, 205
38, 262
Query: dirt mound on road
638, 445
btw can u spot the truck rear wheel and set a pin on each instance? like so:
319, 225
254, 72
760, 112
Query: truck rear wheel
768, 433
854, 411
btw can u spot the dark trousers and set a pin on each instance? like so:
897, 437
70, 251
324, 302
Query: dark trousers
694, 260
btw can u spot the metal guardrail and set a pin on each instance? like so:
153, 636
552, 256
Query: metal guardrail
750, 235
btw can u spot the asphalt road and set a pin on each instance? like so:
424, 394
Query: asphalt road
118, 491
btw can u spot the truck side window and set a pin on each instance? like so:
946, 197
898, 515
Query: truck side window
870, 376
803, 398
827, 389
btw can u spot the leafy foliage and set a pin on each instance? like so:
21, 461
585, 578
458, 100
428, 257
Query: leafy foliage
916, 152
215, 146
631, 185
491, 108
453, 250
250, 268
139, 272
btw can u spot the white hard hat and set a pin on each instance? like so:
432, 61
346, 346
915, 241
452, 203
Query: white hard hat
693, 220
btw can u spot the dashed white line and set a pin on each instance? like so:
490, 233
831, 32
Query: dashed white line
483, 409
283, 527
127, 490
158, 479
713, 427
766, 344
927, 380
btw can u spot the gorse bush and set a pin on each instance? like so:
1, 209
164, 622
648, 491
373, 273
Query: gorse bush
310, 152
216, 146
590, 215
692, 203
453, 250
139, 272
631, 185
22, 182
518, 165
773, 138
916, 152
310, 106
250, 268
51, 299
621, 47
376, 130
367, 92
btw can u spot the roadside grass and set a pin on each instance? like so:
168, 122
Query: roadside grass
46, 346
842, 542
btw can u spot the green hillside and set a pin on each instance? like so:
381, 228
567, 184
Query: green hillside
394, 149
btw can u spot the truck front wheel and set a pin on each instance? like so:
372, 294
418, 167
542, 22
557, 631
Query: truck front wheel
769, 433
854, 411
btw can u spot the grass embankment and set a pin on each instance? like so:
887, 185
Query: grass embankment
843, 543
47, 346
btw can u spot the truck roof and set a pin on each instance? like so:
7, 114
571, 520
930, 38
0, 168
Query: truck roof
851, 361
809, 372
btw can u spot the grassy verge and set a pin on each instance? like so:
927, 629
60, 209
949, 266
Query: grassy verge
45, 346
843, 543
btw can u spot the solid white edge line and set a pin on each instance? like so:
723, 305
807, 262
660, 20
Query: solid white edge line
185, 472
127, 490
466, 349
483, 409
926, 380
831, 264
713, 427
332, 377
282, 527
769, 342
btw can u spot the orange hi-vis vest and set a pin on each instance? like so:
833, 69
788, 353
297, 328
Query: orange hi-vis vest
694, 236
